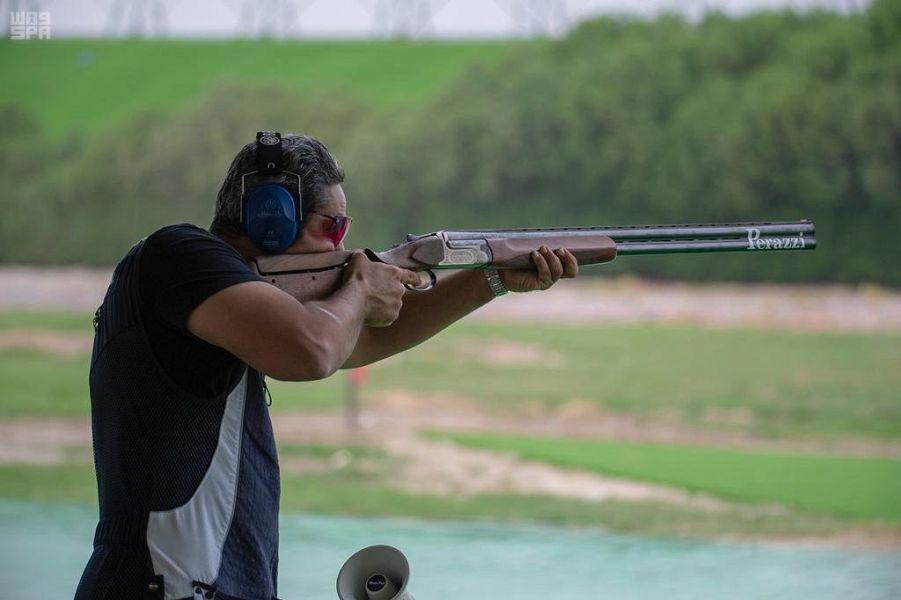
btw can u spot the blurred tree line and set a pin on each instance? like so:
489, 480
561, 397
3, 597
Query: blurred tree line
773, 116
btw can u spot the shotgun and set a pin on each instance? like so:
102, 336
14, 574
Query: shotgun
315, 276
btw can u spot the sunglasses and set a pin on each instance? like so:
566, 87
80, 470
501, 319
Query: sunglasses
337, 227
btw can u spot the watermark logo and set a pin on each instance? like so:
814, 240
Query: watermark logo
755, 242
29, 25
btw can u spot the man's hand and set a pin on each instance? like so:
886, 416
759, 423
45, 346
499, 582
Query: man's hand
294, 341
549, 267
383, 286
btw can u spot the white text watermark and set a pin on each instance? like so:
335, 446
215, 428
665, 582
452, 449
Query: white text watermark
29, 25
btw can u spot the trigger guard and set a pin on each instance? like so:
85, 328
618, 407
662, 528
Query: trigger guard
432, 281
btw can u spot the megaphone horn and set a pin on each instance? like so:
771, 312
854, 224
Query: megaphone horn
375, 573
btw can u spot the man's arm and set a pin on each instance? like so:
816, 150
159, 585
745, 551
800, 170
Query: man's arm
423, 315
426, 313
277, 335
290, 340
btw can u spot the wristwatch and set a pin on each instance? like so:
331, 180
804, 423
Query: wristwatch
495, 283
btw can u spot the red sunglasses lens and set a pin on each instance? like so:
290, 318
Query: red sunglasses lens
338, 229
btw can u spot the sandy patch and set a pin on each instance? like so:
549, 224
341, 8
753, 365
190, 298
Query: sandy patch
857, 539
51, 342
420, 465
734, 417
595, 300
758, 306
59, 288
506, 353
45, 441
398, 400
427, 466
443, 468
397, 410
578, 411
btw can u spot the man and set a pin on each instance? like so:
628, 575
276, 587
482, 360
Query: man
186, 463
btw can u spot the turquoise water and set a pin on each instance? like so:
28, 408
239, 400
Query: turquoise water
43, 548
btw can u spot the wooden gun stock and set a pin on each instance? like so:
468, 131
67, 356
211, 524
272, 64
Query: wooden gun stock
307, 277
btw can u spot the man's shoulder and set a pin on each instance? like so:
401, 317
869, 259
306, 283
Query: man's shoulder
173, 234
185, 240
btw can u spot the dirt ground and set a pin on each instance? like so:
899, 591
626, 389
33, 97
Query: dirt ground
53, 342
425, 466
595, 300
393, 420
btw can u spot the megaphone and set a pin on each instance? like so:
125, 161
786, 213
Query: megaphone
375, 573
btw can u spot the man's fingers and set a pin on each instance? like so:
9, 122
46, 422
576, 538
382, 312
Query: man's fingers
570, 264
410, 278
544, 272
553, 263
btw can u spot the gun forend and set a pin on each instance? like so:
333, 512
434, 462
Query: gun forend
514, 253
439, 250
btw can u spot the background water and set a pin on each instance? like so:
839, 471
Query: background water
43, 548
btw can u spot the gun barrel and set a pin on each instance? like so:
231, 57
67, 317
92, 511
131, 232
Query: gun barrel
672, 239
714, 245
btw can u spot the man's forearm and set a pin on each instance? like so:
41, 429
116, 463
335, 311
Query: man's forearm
423, 315
338, 333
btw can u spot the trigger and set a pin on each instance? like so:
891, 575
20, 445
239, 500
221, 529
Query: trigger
433, 279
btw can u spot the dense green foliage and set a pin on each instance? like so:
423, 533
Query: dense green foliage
79, 86
782, 384
867, 488
769, 116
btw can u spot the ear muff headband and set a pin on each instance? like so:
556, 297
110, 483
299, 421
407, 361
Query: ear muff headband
270, 213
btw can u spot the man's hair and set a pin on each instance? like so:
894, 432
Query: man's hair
301, 154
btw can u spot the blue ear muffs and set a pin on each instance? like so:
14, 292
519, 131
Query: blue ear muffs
270, 213
270, 218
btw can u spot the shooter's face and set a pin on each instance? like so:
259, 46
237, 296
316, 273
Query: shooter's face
318, 233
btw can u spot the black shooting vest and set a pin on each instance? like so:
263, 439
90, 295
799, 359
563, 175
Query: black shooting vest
188, 486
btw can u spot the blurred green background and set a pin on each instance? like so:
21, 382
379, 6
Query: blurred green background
768, 116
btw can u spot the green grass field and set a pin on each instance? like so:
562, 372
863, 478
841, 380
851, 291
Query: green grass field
782, 384
863, 488
46, 321
771, 383
351, 492
82, 85
36, 385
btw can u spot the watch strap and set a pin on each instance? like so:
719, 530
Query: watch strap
495, 283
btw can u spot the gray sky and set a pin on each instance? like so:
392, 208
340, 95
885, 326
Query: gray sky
366, 18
